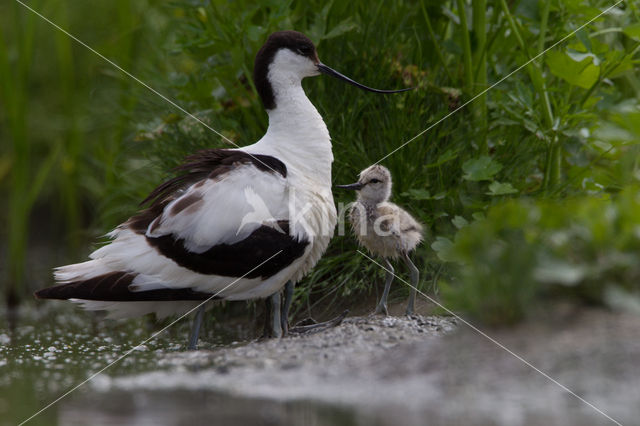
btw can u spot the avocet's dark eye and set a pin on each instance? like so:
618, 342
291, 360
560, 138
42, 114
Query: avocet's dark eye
375, 181
305, 50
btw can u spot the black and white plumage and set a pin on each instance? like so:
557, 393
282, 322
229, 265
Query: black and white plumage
384, 228
226, 211
190, 242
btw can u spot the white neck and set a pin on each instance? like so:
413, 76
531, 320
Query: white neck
297, 132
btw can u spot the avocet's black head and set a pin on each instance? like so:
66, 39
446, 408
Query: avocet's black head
293, 57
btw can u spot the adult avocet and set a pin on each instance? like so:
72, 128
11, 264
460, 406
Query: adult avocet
235, 223
383, 228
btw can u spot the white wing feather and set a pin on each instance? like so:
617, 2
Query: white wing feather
218, 219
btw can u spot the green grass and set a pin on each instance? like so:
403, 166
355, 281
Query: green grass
64, 121
562, 127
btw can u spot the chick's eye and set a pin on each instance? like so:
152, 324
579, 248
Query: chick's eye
304, 51
374, 181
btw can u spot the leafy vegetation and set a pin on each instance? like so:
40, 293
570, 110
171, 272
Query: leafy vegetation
557, 137
525, 252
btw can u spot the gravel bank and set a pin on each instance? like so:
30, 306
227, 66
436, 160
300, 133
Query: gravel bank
400, 370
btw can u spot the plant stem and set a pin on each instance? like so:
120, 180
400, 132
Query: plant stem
480, 59
15, 103
466, 44
436, 43
544, 19
554, 165
552, 171
73, 145
604, 73
534, 70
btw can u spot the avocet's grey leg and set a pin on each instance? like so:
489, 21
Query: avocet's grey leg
382, 305
266, 332
284, 315
415, 277
275, 324
195, 329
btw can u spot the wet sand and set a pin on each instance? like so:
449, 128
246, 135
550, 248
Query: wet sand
393, 370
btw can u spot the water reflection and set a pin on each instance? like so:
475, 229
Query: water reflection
194, 408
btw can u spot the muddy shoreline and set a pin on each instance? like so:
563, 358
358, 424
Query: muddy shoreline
408, 370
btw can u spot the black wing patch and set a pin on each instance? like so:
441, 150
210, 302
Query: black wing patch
238, 259
211, 163
205, 164
114, 286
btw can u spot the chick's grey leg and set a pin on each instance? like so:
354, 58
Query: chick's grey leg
195, 328
415, 278
284, 315
382, 305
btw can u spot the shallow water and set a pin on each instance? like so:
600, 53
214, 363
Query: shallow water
57, 346
180, 407
371, 370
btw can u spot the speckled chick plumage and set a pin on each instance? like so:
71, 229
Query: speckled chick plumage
382, 227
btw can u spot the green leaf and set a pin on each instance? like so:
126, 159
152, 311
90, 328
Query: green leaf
584, 38
614, 134
448, 155
578, 73
633, 31
459, 222
42, 175
256, 33
624, 65
316, 31
498, 188
440, 195
5, 167
529, 9
482, 168
560, 272
444, 249
581, 56
530, 125
417, 194
340, 29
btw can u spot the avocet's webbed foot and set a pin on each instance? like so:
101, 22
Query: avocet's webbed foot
381, 308
195, 329
318, 326
410, 308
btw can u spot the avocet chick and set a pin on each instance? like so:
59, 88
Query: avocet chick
383, 228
